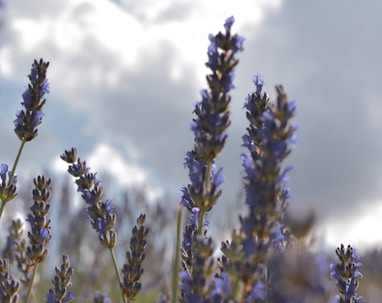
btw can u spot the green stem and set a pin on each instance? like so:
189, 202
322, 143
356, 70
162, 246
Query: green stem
175, 272
13, 173
29, 294
235, 288
2, 208
266, 282
202, 211
125, 300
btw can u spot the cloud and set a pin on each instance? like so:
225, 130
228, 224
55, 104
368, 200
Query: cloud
127, 75
327, 56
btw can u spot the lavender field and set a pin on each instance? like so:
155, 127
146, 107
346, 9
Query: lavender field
75, 238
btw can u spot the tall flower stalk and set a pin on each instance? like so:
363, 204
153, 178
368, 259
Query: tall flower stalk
39, 235
102, 219
9, 287
268, 140
100, 211
346, 273
209, 127
59, 292
26, 123
211, 123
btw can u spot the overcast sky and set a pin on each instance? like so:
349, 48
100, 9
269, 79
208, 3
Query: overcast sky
125, 74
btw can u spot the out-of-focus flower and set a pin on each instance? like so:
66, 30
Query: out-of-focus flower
60, 293
9, 287
132, 270
346, 274
7, 187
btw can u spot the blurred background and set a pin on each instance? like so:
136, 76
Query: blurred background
124, 76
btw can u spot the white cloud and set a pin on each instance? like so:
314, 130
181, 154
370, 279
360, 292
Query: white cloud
107, 159
359, 230
114, 66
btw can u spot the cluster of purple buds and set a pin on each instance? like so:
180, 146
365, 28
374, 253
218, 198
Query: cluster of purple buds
132, 270
30, 117
40, 235
346, 273
268, 140
8, 184
211, 123
8, 285
61, 283
100, 212
209, 128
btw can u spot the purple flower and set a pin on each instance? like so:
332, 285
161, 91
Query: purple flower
228, 23
258, 80
39, 235
346, 273
5, 174
28, 119
99, 211
59, 292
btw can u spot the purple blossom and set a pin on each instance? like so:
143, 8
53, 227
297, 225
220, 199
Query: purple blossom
39, 235
3, 172
258, 80
3, 175
99, 211
194, 216
346, 273
59, 292
228, 23
211, 122
28, 119
238, 44
257, 293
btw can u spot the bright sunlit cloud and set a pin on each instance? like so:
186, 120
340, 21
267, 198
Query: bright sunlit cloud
361, 230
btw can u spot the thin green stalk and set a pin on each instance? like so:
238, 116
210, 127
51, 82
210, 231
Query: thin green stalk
29, 294
235, 288
13, 173
207, 178
266, 283
16, 162
125, 300
1, 208
175, 272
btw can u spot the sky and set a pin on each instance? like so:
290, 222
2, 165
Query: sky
125, 75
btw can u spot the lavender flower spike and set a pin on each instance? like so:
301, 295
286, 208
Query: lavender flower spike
30, 117
211, 122
346, 274
209, 127
7, 188
100, 212
60, 293
269, 134
9, 287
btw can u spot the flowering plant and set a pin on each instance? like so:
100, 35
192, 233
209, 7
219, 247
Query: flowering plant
261, 262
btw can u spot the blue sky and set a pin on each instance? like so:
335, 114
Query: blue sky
124, 77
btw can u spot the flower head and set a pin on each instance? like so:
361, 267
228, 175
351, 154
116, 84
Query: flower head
61, 283
100, 212
8, 185
132, 270
346, 273
258, 80
28, 119
39, 236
